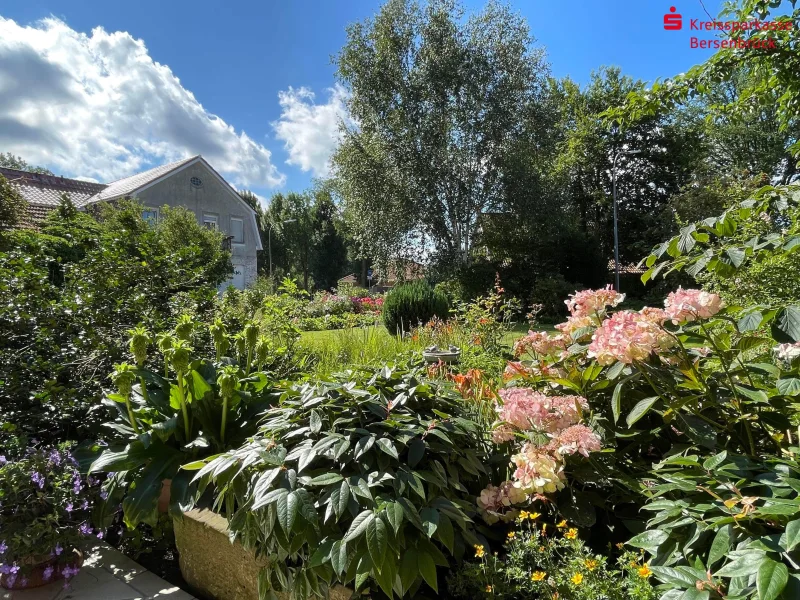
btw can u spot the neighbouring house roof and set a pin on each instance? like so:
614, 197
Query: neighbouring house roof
129, 185
43, 192
629, 269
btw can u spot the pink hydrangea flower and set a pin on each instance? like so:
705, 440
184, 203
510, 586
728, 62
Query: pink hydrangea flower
539, 342
537, 472
655, 315
495, 502
688, 305
590, 303
627, 337
574, 323
524, 408
577, 438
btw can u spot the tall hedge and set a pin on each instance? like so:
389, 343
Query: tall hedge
411, 304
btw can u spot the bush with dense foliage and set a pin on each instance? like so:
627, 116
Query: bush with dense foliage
694, 399
410, 304
367, 479
74, 291
44, 511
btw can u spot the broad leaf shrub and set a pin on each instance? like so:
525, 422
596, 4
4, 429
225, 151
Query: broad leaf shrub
195, 408
694, 386
368, 479
541, 560
408, 305
74, 289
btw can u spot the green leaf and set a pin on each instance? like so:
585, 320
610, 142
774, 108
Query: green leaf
408, 569
694, 594
339, 557
394, 512
641, 409
750, 322
287, 506
376, 541
616, 401
445, 532
388, 447
714, 461
720, 546
340, 498
326, 479
363, 445
742, 566
416, 450
771, 579
649, 540
359, 525
791, 537
789, 386
315, 422
786, 327
427, 569
430, 520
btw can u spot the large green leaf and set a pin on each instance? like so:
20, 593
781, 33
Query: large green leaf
641, 409
377, 539
427, 568
388, 447
720, 546
786, 326
416, 450
287, 506
359, 525
791, 538
649, 540
141, 503
772, 577
430, 520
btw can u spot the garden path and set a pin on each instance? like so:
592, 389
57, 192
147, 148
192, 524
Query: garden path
107, 574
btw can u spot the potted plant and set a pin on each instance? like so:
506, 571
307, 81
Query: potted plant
44, 515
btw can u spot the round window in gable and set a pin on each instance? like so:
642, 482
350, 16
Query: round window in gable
196, 182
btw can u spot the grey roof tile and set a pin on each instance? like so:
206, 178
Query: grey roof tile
46, 190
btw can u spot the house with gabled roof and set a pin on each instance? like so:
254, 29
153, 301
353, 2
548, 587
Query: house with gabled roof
191, 183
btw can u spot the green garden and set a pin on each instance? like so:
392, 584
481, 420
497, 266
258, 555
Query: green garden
586, 443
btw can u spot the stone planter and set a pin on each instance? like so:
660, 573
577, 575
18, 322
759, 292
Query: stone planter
214, 567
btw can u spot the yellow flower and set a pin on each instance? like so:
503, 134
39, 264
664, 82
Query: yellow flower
511, 535
533, 516
489, 589
577, 579
591, 564
644, 572
538, 575
571, 534
562, 525
479, 551
523, 514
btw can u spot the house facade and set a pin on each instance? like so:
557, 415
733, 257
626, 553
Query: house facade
191, 183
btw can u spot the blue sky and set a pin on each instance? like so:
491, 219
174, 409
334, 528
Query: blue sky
254, 65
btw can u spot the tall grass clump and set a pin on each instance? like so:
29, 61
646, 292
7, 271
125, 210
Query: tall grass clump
332, 351
411, 304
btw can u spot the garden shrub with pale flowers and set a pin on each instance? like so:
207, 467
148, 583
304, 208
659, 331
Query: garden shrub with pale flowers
616, 409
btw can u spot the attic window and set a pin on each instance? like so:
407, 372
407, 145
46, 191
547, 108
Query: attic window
196, 182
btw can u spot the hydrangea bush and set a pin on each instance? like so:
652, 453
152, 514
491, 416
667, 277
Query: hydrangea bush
45, 506
678, 397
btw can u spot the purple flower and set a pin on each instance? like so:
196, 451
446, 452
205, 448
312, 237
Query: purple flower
5, 569
3, 547
24, 582
11, 579
104, 494
85, 529
55, 458
48, 573
84, 504
3, 460
99, 535
38, 479
70, 571
76, 484
58, 550
69, 508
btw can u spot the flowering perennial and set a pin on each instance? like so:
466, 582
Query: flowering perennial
684, 306
627, 337
589, 303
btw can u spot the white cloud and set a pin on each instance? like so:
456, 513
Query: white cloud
309, 131
100, 107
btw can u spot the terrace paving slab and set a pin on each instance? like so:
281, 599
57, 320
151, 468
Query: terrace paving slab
107, 574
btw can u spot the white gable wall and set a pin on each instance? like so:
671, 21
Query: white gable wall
215, 199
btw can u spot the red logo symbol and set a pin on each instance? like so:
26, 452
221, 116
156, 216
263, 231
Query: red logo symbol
673, 21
